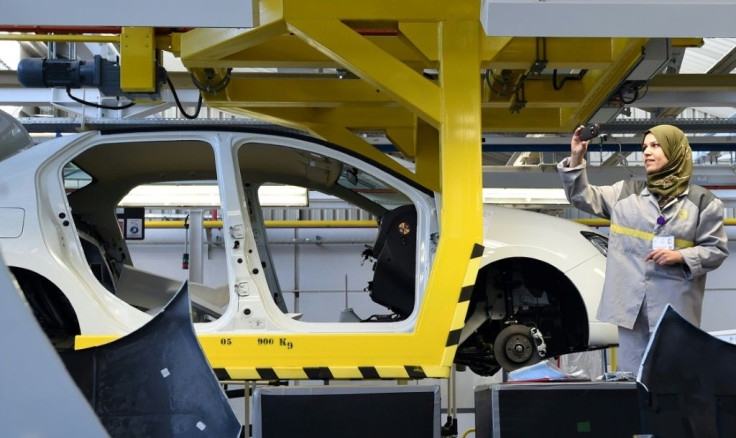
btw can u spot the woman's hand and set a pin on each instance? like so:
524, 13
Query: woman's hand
578, 148
664, 257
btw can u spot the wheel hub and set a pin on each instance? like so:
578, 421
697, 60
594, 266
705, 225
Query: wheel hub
518, 348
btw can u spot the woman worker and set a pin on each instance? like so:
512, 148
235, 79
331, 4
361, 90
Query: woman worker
665, 235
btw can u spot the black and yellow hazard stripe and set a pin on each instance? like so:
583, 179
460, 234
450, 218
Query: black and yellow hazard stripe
323, 373
461, 310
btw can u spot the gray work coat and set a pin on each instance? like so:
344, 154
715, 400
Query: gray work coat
695, 219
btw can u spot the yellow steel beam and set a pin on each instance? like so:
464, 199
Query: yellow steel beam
368, 118
357, 118
542, 113
491, 48
317, 92
404, 139
332, 125
686, 42
428, 154
288, 117
537, 119
138, 60
423, 35
289, 51
598, 84
347, 139
561, 53
540, 93
372, 64
324, 123
332, 92
169, 43
210, 44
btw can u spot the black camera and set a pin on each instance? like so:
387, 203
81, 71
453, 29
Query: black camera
590, 131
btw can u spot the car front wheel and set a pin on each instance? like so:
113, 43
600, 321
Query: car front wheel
515, 347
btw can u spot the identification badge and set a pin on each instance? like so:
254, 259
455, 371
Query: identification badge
663, 242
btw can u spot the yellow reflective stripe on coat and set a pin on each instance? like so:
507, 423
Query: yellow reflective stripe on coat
618, 229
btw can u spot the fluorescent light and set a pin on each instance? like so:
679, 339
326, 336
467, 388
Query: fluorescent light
283, 196
523, 197
208, 195
170, 195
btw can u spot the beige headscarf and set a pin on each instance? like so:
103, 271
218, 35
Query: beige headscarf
674, 178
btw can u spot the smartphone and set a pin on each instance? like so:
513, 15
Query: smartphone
590, 131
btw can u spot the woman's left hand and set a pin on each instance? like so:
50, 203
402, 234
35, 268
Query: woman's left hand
664, 257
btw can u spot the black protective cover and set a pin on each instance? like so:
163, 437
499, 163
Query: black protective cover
156, 381
689, 386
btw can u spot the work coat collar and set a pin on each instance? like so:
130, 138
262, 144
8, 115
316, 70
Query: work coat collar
653, 198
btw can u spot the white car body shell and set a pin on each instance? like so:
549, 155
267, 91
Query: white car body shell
37, 236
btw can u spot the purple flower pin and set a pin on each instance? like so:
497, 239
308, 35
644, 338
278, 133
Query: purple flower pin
660, 220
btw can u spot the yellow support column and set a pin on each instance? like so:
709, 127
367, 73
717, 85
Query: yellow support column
138, 67
461, 233
445, 116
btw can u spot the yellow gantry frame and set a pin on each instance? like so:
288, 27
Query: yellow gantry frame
389, 47
436, 121
443, 114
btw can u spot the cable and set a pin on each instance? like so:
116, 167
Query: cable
636, 96
178, 103
216, 87
468, 432
558, 87
633, 99
520, 97
96, 105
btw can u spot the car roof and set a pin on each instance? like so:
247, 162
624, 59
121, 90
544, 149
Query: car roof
270, 130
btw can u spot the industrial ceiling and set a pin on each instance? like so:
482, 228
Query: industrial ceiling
356, 74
